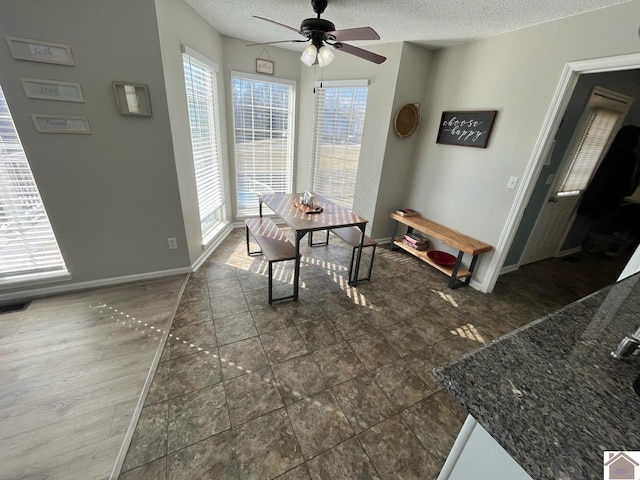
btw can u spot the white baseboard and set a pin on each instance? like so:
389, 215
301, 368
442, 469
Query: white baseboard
107, 282
510, 268
571, 251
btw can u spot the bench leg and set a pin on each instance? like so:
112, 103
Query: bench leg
394, 234
454, 282
250, 253
318, 244
368, 277
271, 299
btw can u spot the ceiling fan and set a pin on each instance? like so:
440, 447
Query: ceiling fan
323, 34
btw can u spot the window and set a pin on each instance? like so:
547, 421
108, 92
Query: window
202, 101
600, 120
337, 135
27, 242
263, 127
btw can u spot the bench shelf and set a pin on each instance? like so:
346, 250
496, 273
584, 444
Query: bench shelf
458, 274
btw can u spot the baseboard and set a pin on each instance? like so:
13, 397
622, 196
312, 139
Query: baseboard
510, 268
571, 251
107, 282
212, 246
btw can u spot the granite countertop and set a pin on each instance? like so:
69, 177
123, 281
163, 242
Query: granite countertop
577, 401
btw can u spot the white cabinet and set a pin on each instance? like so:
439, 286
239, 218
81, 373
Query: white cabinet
476, 454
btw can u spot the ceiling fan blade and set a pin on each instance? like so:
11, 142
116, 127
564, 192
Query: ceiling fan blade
359, 52
278, 23
362, 33
279, 41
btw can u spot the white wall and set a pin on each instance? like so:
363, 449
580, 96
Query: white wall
112, 196
241, 58
515, 73
180, 25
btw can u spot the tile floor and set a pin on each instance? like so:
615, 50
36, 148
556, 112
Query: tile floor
337, 385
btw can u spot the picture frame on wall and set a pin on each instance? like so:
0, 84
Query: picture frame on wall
52, 90
466, 129
40, 51
49, 123
264, 66
132, 99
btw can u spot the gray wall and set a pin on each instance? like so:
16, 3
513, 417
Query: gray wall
180, 25
626, 82
517, 74
112, 196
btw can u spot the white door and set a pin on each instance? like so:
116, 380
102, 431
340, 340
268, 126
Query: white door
600, 120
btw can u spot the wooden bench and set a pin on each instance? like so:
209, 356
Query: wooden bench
350, 235
274, 245
458, 274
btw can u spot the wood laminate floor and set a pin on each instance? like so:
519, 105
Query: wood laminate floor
72, 368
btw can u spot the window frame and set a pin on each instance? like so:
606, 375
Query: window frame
316, 134
242, 211
214, 219
38, 249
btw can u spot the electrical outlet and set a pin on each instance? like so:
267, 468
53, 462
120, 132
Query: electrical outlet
511, 184
173, 244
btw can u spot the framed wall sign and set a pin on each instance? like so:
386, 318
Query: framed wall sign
39, 51
46, 123
132, 99
467, 129
264, 66
52, 90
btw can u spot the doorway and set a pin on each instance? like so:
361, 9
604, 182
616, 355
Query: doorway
501, 263
580, 145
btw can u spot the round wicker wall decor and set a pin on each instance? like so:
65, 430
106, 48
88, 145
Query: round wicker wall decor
406, 120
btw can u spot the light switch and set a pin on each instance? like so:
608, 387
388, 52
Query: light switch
550, 179
511, 184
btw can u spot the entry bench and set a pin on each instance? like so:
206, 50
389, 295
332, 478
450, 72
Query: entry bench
351, 235
274, 245
458, 274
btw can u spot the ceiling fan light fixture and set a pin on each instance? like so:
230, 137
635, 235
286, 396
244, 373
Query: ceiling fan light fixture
308, 56
325, 56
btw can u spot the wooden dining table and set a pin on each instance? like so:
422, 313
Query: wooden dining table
331, 216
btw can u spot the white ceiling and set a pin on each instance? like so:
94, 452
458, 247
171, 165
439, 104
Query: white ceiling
433, 23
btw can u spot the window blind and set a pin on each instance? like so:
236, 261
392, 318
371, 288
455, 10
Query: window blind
337, 136
589, 151
27, 242
202, 102
263, 127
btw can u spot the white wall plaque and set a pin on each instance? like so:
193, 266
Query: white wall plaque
39, 51
52, 90
61, 123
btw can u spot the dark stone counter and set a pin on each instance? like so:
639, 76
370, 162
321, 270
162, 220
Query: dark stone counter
576, 402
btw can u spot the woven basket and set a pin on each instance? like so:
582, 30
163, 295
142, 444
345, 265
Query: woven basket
406, 119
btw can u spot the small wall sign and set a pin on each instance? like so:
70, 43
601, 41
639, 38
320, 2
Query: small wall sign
264, 66
39, 51
468, 129
61, 123
52, 90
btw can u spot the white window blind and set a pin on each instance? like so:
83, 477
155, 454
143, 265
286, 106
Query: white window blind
599, 130
27, 242
202, 101
337, 135
263, 126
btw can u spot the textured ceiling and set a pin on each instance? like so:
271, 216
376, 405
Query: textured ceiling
434, 23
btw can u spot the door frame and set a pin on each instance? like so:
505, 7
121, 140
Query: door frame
542, 149
565, 164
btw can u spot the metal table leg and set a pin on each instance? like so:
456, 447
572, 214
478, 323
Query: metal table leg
354, 282
296, 274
